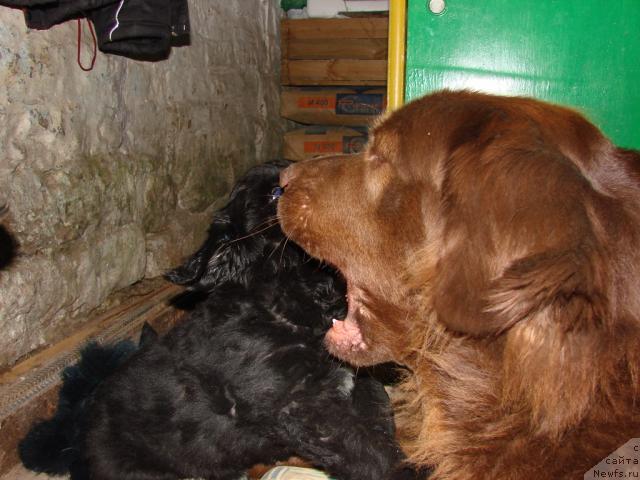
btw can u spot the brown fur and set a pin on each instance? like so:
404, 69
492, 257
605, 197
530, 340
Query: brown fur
491, 245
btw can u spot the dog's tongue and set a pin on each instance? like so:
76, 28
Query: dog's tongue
346, 334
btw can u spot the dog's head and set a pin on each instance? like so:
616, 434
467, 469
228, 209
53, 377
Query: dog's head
332, 207
483, 217
244, 236
246, 245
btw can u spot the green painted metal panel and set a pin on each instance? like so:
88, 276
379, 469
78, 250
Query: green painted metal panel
581, 53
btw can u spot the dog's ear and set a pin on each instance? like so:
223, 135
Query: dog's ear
148, 335
568, 285
197, 266
549, 314
526, 265
553, 309
190, 271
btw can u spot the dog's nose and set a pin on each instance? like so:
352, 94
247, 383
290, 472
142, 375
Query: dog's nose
287, 175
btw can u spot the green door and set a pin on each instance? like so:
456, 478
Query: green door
581, 53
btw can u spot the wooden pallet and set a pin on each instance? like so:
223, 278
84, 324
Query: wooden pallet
336, 51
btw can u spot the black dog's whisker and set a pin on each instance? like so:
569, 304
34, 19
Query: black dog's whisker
275, 249
252, 233
269, 220
311, 259
284, 246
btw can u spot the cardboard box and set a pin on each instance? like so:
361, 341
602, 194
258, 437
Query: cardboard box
313, 142
337, 106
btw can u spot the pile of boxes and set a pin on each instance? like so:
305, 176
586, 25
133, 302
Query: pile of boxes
334, 78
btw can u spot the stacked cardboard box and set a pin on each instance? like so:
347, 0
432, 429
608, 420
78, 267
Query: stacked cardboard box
333, 74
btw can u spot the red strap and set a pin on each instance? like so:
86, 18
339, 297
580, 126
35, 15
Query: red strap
93, 35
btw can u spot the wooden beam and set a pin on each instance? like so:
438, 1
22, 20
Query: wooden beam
323, 28
334, 72
311, 49
125, 316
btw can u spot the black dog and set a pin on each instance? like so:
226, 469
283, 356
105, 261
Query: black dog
245, 378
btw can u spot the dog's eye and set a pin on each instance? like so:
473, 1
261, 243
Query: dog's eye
276, 193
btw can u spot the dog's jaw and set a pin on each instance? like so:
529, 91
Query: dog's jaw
345, 334
348, 339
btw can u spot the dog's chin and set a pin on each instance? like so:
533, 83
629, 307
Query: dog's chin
346, 335
347, 341
358, 356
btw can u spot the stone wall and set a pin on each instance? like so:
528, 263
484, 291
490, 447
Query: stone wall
111, 175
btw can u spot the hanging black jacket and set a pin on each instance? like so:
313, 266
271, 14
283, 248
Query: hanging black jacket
140, 29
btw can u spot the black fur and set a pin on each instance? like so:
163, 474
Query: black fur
235, 385
245, 379
8, 244
51, 445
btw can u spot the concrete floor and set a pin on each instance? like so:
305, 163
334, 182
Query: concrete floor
282, 473
19, 473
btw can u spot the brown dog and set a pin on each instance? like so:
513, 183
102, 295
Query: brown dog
491, 245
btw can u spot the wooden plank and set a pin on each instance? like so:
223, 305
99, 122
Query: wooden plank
334, 72
359, 48
323, 28
137, 306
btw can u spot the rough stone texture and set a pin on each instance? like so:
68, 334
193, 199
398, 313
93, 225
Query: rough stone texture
111, 175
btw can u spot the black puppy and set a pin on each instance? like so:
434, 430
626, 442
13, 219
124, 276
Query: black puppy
246, 245
245, 378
